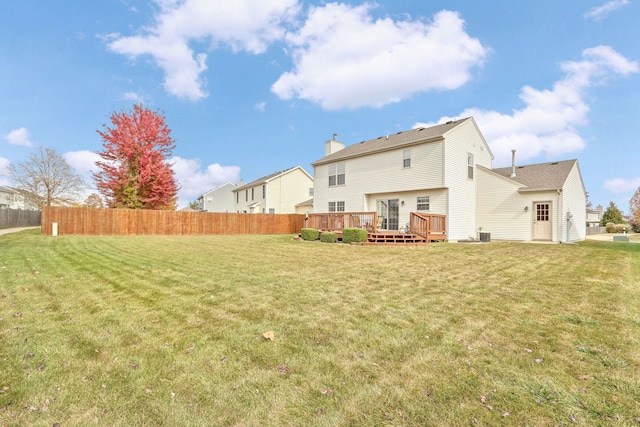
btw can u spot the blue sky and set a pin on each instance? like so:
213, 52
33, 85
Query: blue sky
252, 87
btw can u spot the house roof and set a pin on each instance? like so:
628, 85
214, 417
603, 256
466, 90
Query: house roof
216, 189
266, 179
388, 142
305, 203
540, 176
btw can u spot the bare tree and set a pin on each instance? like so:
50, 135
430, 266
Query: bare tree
46, 176
94, 200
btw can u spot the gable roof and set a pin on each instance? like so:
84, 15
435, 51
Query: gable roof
306, 203
540, 176
216, 188
389, 142
266, 179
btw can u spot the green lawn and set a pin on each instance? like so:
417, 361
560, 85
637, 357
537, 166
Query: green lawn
128, 331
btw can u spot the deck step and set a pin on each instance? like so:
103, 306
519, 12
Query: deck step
395, 239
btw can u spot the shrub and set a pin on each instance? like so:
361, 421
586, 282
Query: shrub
617, 228
354, 235
309, 234
622, 227
328, 237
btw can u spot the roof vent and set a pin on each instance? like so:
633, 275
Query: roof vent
513, 164
399, 133
449, 122
554, 163
419, 129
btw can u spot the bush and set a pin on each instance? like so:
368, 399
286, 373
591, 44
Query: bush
354, 235
328, 237
309, 234
617, 228
622, 227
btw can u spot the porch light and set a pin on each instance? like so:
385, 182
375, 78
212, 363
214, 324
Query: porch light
526, 208
402, 203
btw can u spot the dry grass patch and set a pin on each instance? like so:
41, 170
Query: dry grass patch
169, 331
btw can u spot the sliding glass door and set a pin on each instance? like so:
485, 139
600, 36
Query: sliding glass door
388, 213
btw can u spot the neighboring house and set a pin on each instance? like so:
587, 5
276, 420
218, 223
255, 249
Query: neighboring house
305, 207
220, 199
12, 198
446, 169
594, 216
278, 193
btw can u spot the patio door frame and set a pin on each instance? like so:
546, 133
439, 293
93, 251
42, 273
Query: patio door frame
389, 209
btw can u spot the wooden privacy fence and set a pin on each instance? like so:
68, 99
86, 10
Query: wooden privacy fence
19, 218
90, 221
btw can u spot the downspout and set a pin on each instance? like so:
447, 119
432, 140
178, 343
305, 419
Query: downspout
560, 216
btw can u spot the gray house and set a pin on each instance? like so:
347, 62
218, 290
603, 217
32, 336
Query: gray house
219, 199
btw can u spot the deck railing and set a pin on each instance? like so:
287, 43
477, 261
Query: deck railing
337, 221
429, 226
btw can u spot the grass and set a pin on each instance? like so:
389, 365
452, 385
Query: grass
125, 331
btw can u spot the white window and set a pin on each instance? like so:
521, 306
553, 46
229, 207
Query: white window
336, 206
470, 165
406, 159
423, 203
272, 210
336, 174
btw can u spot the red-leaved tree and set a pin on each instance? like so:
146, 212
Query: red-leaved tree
134, 170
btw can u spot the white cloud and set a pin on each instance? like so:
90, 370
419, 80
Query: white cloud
83, 161
547, 122
599, 12
134, 97
241, 25
20, 136
621, 185
260, 106
345, 59
194, 181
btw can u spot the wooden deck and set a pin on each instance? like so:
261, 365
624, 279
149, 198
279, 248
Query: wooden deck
423, 228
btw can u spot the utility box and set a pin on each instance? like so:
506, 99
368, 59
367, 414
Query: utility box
485, 237
54, 228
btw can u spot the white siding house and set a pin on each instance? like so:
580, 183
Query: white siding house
278, 193
220, 199
446, 169
14, 198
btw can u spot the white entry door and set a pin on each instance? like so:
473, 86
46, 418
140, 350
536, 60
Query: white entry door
542, 221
